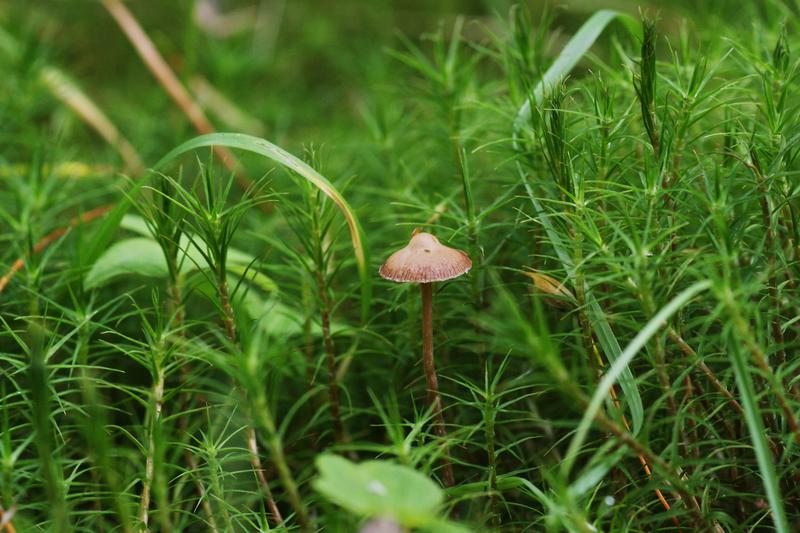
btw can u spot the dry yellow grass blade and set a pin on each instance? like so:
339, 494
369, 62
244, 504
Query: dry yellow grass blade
555, 292
158, 66
69, 93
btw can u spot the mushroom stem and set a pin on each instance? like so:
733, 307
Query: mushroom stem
434, 399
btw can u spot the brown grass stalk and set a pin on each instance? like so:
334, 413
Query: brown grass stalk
72, 96
163, 73
48, 239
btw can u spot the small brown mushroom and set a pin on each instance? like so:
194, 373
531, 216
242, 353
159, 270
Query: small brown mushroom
425, 260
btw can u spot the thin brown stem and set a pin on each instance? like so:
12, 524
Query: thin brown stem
597, 363
761, 362
647, 456
201, 492
51, 237
255, 462
158, 66
642, 460
710, 375
434, 399
594, 354
177, 311
772, 251
688, 387
663, 377
252, 441
646, 298
266, 420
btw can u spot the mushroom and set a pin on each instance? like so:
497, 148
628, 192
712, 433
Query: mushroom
425, 260
381, 525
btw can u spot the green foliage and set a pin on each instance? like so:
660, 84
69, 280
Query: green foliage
142, 256
179, 352
277, 154
380, 489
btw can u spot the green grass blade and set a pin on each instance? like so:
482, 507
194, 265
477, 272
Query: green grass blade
622, 362
514, 482
41, 406
265, 148
104, 234
752, 415
574, 50
577, 46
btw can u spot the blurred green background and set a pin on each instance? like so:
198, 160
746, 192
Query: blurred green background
312, 73
304, 70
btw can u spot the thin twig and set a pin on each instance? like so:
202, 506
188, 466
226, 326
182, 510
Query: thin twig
646, 454
156, 63
643, 460
255, 462
86, 109
201, 492
596, 360
712, 377
54, 235
760, 359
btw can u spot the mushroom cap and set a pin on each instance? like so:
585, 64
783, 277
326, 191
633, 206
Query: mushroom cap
424, 260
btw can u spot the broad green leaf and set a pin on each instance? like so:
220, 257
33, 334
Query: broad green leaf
139, 256
135, 224
279, 320
143, 256
379, 489
103, 236
576, 48
275, 153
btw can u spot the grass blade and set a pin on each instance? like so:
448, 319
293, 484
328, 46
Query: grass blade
574, 50
569, 57
752, 415
622, 362
265, 148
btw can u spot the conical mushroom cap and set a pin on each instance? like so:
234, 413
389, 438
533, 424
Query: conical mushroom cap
424, 260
